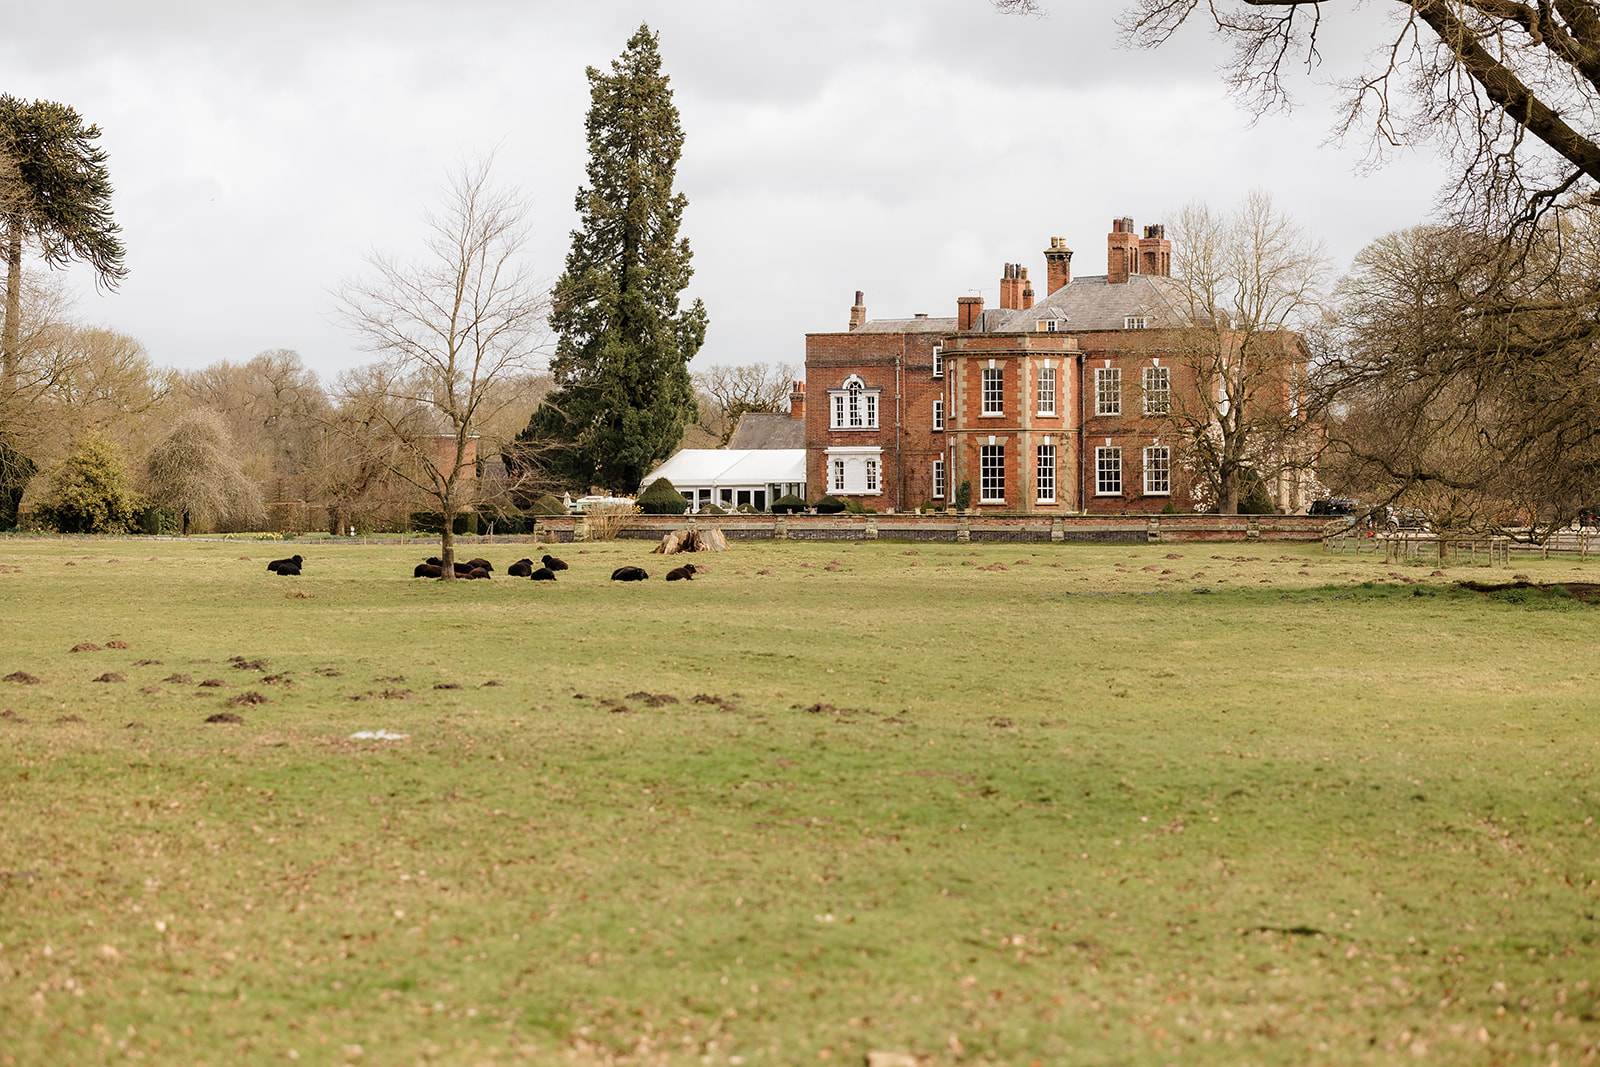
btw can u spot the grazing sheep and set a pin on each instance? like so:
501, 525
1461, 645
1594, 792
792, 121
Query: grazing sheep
629, 574
427, 570
543, 574
522, 568
553, 563
684, 573
293, 561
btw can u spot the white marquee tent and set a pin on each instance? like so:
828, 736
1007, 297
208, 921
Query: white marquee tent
730, 477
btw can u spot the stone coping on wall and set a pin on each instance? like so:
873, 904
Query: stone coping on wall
947, 527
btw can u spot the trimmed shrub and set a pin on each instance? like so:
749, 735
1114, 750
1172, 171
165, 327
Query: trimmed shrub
713, 509
830, 505
854, 506
548, 505
660, 498
788, 505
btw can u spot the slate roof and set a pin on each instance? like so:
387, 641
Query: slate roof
1092, 303
916, 325
757, 429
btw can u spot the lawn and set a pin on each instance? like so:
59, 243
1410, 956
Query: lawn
1128, 804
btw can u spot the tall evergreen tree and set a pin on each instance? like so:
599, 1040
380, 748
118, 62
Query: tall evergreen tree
55, 192
623, 393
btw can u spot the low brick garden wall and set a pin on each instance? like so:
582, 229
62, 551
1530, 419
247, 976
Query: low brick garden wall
1127, 529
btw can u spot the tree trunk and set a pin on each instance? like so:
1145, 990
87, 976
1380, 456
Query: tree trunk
10, 336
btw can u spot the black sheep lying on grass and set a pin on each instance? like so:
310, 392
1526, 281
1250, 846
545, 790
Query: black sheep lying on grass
428, 570
543, 574
277, 565
553, 563
522, 568
681, 574
629, 574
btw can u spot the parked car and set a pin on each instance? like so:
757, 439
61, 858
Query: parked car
1334, 505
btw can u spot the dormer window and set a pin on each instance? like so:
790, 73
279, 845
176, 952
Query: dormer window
1050, 325
1133, 322
853, 406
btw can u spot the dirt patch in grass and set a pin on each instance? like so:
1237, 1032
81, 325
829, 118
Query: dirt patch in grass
653, 700
213, 683
118, 644
179, 679
1520, 591
110, 676
23, 678
84, 646
225, 716
248, 698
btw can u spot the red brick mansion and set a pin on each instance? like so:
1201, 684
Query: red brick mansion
1052, 403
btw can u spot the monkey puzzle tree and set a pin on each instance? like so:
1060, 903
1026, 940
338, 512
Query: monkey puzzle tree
55, 194
623, 392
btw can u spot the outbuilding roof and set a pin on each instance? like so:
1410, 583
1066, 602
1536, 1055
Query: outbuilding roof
754, 467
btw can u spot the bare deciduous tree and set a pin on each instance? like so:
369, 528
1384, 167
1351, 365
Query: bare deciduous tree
448, 327
1245, 283
1510, 88
728, 392
1460, 374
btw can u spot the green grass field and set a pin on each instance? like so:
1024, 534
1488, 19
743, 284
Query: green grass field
975, 804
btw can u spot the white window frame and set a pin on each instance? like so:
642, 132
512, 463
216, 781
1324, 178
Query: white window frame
938, 361
1134, 322
994, 396
855, 471
1108, 390
1157, 390
991, 474
1157, 470
853, 406
1047, 390
1045, 473
938, 413
938, 478
1108, 471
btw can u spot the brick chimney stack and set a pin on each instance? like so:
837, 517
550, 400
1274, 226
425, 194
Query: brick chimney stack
1012, 281
1027, 289
969, 312
1057, 265
1122, 252
797, 400
1155, 252
858, 314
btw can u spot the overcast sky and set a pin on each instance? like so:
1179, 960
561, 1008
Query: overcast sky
908, 148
